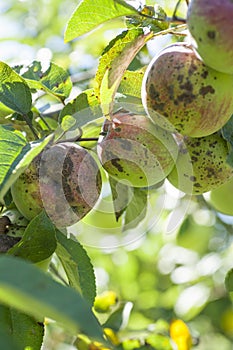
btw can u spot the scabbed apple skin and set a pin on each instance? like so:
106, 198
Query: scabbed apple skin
210, 23
26, 191
136, 151
180, 93
64, 180
201, 164
221, 198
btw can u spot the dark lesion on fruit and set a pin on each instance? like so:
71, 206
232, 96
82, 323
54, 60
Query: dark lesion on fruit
211, 173
118, 129
211, 34
204, 90
193, 178
186, 97
68, 191
194, 159
197, 185
67, 167
188, 86
116, 164
192, 69
180, 78
158, 106
204, 74
98, 181
153, 93
171, 92
209, 153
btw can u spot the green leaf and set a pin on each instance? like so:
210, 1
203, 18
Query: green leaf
120, 196
91, 131
229, 281
136, 209
131, 83
84, 108
38, 242
90, 14
54, 80
119, 317
28, 289
24, 330
112, 65
112, 52
15, 155
151, 17
14, 91
4, 112
81, 111
68, 122
107, 94
227, 133
6, 341
77, 266
130, 201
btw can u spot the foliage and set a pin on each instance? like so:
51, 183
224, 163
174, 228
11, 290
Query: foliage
147, 268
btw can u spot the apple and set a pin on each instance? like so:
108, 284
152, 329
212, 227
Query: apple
182, 94
136, 151
210, 23
221, 198
64, 180
201, 165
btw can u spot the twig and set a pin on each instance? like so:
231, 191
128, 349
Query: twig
172, 30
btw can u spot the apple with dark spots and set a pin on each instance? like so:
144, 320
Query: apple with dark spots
201, 164
210, 23
136, 151
64, 180
180, 93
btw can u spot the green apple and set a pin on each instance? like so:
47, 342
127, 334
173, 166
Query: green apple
222, 198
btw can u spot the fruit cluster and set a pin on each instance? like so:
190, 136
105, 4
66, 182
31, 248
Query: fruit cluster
187, 100
187, 90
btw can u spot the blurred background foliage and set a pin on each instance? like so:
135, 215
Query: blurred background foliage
174, 264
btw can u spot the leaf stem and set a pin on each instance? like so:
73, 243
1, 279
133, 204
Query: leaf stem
88, 139
57, 274
29, 123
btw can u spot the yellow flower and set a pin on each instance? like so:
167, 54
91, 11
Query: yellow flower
180, 334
